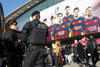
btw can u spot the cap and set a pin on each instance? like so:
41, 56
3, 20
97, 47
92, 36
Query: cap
35, 12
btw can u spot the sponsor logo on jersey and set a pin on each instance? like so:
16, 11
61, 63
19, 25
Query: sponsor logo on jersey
77, 27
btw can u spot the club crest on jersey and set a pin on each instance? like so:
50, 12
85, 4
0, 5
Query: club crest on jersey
63, 26
80, 21
95, 21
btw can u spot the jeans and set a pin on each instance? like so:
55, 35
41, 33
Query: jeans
2, 60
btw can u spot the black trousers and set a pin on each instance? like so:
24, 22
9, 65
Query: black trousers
34, 57
13, 60
95, 56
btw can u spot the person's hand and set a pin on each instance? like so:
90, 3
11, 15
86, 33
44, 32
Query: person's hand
69, 35
52, 37
89, 54
98, 47
45, 47
82, 33
19, 41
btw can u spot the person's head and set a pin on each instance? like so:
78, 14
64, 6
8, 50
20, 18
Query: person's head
75, 41
57, 42
80, 41
35, 15
91, 37
67, 9
76, 11
11, 25
60, 16
89, 11
52, 19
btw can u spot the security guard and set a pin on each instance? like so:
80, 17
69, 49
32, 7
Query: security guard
34, 33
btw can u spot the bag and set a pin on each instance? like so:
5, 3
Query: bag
37, 34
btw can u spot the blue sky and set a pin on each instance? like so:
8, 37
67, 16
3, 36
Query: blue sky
10, 5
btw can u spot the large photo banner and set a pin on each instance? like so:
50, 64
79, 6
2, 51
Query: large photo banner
72, 18
60, 7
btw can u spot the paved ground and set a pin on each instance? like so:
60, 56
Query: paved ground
76, 65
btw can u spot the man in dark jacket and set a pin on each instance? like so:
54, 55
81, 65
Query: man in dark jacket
92, 51
34, 33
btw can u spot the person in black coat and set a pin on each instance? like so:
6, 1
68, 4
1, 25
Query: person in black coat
80, 50
92, 51
34, 34
10, 39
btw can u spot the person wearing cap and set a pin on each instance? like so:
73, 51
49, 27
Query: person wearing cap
10, 40
34, 34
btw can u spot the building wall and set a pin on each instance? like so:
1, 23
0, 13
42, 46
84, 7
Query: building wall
26, 16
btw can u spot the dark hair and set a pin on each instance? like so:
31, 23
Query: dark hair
10, 23
35, 12
67, 7
59, 14
76, 8
52, 17
87, 8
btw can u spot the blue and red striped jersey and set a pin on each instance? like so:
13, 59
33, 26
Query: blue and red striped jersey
91, 25
50, 29
77, 26
68, 19
60, 31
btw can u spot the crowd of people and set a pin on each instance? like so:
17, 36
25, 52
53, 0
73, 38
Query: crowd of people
35, 36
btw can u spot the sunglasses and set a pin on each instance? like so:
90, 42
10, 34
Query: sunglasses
14, 24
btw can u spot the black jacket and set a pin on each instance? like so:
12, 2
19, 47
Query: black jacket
10, 39
34, 32
91, 45
80, 50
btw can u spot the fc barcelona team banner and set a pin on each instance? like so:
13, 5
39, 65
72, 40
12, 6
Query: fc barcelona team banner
72, 18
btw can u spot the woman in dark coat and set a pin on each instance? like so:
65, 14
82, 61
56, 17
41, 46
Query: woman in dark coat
10, 39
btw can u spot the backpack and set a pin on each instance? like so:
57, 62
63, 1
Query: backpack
37, 35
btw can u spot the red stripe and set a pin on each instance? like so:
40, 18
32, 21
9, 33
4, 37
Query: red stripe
77, 33
62, 37
91, 22
92, 32
68, 19
77, 22
61, 27
58, 34
50, 29
89, 27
